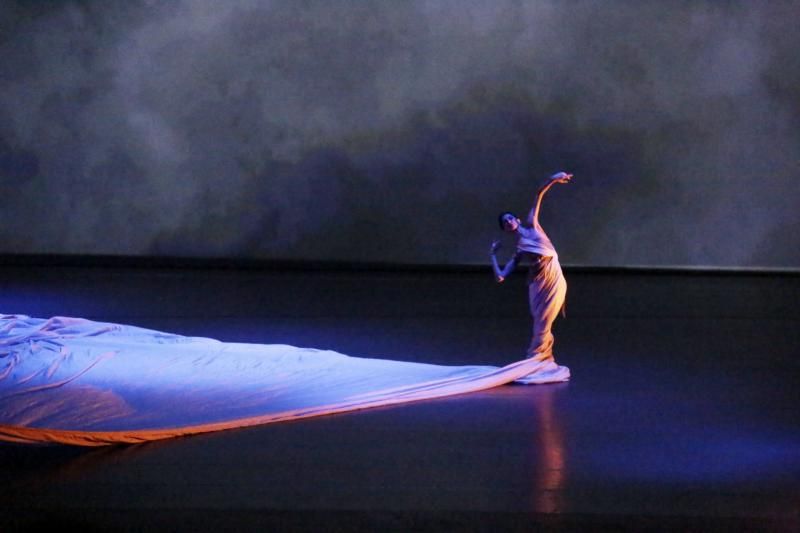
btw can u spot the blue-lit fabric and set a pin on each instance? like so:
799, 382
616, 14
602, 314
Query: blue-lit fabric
76, 381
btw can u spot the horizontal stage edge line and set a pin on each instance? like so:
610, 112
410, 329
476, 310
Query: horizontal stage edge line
239, 263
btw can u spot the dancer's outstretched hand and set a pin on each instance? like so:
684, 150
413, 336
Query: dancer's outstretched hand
495, 246
561, 177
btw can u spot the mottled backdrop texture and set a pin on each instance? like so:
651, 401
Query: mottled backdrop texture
395, 131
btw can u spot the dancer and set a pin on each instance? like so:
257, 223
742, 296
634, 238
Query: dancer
547, 288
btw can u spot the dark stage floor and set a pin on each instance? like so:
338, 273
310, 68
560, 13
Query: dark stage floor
681, 414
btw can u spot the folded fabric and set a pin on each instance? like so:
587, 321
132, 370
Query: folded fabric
76, 381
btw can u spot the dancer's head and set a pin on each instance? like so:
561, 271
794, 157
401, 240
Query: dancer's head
508, 221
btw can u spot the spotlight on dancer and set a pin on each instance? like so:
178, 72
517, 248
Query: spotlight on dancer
547, 288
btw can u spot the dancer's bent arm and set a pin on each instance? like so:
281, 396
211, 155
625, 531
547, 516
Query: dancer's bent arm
500, 274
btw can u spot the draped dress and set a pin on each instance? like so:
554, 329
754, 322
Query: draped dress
547, 290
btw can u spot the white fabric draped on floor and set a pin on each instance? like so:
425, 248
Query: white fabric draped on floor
76, 381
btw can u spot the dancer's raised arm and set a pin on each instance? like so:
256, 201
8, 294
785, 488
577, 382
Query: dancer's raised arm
533, 216
500, 274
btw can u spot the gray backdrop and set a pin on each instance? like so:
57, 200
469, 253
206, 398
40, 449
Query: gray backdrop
397, 130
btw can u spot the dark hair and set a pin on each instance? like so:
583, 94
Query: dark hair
500, 218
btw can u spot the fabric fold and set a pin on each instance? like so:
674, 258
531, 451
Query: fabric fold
75, 381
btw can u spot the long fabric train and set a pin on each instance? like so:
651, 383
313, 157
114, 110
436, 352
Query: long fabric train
76, 381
